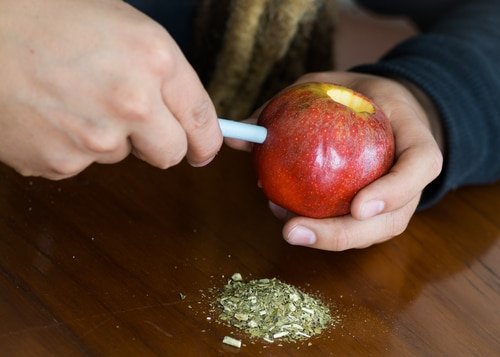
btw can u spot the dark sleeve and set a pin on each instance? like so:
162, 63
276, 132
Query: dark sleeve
175, 15
456, 61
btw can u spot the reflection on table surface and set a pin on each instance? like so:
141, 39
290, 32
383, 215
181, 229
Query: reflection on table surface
95, 265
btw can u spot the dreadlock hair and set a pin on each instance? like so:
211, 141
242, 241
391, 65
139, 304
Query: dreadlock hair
247, 50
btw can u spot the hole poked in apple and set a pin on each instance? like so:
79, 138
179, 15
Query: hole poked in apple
350, 99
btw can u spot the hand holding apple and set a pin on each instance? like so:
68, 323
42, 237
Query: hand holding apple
382, 209
325, 142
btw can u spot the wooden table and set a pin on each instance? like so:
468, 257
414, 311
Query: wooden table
95, 265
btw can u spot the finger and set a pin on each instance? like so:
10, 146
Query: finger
106, 144
58, 158
419, 161
188, 101
64, 164
161, 140
415, 168
346, 232
341, 78
238, 144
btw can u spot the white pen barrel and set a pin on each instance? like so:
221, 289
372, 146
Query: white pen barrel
243, 131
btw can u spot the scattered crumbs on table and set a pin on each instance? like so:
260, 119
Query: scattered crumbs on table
228, 340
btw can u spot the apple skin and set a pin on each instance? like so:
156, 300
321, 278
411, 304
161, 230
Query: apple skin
319, 153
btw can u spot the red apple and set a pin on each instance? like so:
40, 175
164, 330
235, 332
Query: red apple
325, 142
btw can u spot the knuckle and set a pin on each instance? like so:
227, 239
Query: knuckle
173, 160
207, 157
65, 167
56, 177
162, 61
25, 171
101, 141
158, 52
398, 223
132, 104
341, 240
209, 150
200, 116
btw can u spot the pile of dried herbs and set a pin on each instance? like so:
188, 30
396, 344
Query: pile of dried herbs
272, 310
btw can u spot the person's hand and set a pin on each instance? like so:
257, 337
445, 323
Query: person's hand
91, 81
382, 209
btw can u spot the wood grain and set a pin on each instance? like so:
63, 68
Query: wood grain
94, 265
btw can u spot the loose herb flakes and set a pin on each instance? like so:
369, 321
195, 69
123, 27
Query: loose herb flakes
272, 310
228, 340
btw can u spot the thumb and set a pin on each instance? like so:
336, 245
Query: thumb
416, 167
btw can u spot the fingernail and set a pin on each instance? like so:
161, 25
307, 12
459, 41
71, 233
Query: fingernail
372, 208
200, 164
301, 236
